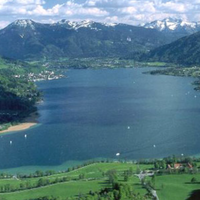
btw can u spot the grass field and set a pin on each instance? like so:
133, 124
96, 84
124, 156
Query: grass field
168, 187
176, 187
62, 190
93, 181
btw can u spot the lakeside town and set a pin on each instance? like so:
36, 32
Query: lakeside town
43, 75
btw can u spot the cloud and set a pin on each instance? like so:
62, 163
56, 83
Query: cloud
124, 11
176, 7
34, 8
24, 2
28, 2
138, 11
71, 8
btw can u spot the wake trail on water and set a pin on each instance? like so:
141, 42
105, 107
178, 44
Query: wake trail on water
148, 146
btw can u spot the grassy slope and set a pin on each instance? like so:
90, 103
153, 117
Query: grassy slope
72, 188
176, 186
61, 189
169, 187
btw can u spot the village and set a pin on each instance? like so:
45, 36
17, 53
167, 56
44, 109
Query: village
43, 75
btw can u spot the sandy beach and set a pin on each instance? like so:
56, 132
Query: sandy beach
27, 123
19, 127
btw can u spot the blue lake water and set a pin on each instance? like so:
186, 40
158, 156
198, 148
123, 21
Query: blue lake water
98, 113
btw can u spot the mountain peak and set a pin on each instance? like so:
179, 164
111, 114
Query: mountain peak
171, 19
75, 24
24, 23
87, 21
173, 24
110, 24
64, 21
84, 24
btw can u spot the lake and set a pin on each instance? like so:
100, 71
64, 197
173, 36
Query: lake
98, 113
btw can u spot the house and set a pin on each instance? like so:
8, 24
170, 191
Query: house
177, 165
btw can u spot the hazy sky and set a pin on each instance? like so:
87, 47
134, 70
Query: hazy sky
124, 11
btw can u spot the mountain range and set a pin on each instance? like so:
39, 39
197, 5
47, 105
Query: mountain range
174, 28
174, 25
26, 39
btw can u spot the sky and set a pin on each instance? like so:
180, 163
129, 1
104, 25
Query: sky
111, 11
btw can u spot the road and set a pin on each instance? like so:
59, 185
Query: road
141, 176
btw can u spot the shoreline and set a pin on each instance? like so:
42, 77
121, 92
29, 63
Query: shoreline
19, 127
27, 123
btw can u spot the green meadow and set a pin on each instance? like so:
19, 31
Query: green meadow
94, 177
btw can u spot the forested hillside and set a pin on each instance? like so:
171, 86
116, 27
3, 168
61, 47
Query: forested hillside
17, 94
183, 51
26, 39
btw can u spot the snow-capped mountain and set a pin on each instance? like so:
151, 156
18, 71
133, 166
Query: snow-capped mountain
24, 23
74, 24
174, 25
26, 39
83, 24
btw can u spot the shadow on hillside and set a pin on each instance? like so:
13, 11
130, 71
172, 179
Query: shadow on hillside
137, 184
195, 195
103, 183
192, 183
